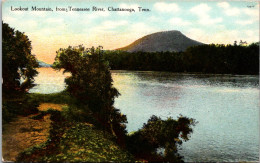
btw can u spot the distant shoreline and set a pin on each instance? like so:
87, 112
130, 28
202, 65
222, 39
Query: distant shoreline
181, 73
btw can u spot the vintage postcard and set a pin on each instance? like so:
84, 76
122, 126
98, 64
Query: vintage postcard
126, 81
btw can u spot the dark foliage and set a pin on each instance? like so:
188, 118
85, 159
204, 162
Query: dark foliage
91, 85
219, 59
164, 134
90, 80
19, 70
22, 106
18, 62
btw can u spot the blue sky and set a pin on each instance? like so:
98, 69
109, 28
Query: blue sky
208, 22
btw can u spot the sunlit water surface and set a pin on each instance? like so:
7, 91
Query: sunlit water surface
226, 107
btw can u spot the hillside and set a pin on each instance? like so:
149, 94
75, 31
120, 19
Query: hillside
173, 41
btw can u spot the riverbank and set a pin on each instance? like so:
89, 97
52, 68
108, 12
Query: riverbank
49, 136
23, 133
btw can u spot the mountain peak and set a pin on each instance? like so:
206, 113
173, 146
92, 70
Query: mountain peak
170, 31
172, 40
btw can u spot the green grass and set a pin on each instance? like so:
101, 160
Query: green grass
57, 98
74, 142
27, 104
83, 143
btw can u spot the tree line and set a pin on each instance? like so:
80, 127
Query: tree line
212, 58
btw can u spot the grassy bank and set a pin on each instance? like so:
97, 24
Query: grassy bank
73, 142
68, 139
56, 98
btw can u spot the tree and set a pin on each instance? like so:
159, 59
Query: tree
91, 83
18, 62
157, 133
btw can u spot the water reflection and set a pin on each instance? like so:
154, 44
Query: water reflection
49, 81
226, 107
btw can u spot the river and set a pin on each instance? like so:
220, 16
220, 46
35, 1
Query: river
226, 107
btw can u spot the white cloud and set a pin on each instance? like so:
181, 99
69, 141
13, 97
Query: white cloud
197, 34
249, 33
251, 36
53, 31
222, 35
233, 11
141, 28
202, 11
244, 22
153, 19
23, 26
178, 22
227, 36
106, 28
9, 19
252, 12
223, 5
206, 20
230, 11
114, 24
54, 20
166, 7
30, 24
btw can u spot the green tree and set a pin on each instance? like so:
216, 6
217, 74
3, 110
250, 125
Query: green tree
165, 134
18, 62
91, 83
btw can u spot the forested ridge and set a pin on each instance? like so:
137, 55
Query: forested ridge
212, 58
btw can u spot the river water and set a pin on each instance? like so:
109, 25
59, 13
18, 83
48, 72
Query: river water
225, 106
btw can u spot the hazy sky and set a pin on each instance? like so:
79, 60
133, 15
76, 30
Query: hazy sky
207, 22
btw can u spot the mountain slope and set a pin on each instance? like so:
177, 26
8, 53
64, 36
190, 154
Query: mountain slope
162, 41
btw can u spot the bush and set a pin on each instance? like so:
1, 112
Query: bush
157, 133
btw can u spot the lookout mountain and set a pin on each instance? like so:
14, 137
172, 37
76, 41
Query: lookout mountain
173, 41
